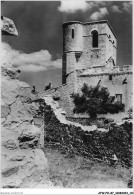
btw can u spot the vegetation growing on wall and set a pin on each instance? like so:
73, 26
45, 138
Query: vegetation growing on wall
96, 100
130, 112
92, 144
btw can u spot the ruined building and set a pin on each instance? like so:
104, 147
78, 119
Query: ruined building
89, 56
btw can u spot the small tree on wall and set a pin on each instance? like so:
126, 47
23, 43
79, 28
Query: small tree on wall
96, 100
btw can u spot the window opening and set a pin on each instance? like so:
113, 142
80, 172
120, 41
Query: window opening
113, 62
72, 33
95, 38
110, 77
119, 97
77, 56
124, 81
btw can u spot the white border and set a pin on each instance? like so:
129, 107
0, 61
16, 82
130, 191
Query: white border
66, 191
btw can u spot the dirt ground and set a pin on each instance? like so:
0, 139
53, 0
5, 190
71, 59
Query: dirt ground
77, 172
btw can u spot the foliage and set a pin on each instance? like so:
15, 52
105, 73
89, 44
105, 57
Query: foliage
95, 145
95, 100
130, 113
119, 140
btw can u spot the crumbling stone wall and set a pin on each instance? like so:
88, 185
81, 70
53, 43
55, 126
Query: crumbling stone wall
83, 121
115, 86
95, 144
23, 163
62, 95
91, 142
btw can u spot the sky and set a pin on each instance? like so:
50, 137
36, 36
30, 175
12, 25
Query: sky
37, 50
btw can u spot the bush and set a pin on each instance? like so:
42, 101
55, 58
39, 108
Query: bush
95, 100
93, 144
130, 113
130, 182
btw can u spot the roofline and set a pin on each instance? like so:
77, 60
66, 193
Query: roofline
72, 22
102, 21
86, 23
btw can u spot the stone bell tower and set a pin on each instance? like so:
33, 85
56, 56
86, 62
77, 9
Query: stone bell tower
72, 46
86, 45
100, 44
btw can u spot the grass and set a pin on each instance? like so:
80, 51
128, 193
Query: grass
77, 172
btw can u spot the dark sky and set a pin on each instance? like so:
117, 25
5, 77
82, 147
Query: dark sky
39, 24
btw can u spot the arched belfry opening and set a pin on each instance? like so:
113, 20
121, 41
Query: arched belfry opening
94, 38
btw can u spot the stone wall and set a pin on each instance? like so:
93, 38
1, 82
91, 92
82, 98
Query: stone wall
63, 97
72, 43
90, 54
83, 121
114, 86
78, 51
84, 64
95, 144
23, 163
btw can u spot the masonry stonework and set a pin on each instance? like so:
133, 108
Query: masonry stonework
89, 56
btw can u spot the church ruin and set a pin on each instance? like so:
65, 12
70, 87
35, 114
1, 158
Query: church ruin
89, 56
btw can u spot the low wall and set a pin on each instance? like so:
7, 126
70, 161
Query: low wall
117, 117
90, 144
83, 121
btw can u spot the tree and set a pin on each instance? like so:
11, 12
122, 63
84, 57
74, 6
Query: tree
95, 100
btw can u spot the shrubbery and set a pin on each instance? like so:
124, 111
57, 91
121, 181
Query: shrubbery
96, 100
92, 144
130, 113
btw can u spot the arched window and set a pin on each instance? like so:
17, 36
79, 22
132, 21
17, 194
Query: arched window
94, 38
72, 33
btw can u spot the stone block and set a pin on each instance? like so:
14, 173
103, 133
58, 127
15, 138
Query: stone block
10, 144
10, 171
5, 110
29, 136
38, 121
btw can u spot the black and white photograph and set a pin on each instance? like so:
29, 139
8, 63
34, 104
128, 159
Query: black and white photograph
67, 96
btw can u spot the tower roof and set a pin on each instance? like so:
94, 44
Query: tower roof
72, 22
